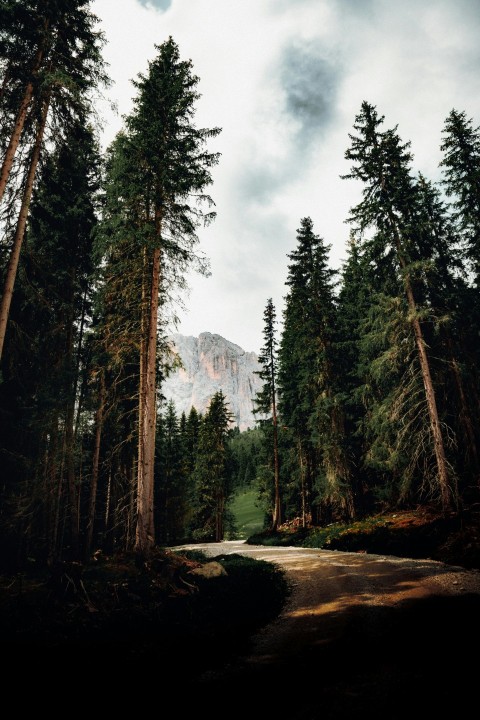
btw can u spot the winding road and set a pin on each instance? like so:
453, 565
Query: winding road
371, 635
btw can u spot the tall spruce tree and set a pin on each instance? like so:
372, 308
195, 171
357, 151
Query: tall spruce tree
461, 164
266, 399
212, 472
171, 482
157, 198
308, 401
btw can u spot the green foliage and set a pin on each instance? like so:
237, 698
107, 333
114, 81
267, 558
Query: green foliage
44, 395
212, 472
247, 455
310, 405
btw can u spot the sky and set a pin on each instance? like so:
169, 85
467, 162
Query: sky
284, 79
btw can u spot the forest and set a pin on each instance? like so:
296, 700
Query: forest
371, 388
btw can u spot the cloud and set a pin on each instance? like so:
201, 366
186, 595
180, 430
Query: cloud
310, 83
162, 5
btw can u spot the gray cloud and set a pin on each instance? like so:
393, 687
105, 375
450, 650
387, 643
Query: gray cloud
159, 4
365, 7
257, 183
310, 82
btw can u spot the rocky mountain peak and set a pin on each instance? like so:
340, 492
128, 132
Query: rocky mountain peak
212, 363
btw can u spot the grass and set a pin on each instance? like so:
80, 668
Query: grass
249, 518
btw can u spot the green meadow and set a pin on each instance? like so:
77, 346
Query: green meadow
248, 517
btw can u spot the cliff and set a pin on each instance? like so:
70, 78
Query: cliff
211, 363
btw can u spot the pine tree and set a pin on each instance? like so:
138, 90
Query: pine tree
309, 404
461, 163
212, 472
156, 194
171, 482
266, 399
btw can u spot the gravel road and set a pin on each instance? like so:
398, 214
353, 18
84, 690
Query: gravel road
376, 635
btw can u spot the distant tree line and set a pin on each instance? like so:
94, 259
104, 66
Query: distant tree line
371, 392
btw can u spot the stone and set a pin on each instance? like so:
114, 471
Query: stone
209, 570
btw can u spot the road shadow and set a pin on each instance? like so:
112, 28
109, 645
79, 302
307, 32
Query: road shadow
419, 657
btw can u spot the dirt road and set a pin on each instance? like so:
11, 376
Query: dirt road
365, 634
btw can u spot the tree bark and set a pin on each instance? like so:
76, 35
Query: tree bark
302, 486
219, 529
92, 503
145, 531
20, 120
277, 518
446, 493
21, 225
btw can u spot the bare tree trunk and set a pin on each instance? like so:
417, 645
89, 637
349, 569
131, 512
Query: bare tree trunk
277, 519
303, 488
21, 225
446, 492
219, 529
55, 551
131, 506
77, 364
20, 120
108, 508
92, 503
145, 532
70, 449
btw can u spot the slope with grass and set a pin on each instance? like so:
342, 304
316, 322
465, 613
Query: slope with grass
249, 518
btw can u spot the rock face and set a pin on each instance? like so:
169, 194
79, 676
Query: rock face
211, 363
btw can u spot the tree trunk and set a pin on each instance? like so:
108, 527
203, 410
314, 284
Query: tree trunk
302, 486
277, 519
464, 415
446, 494
21, 225
77, 364
20, 120
70, 449
92, 503
219, 529
130, 540
145, 532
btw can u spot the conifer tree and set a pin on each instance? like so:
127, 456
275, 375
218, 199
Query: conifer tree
461, 164
266, 399
212, 472
309, 405
156, 197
